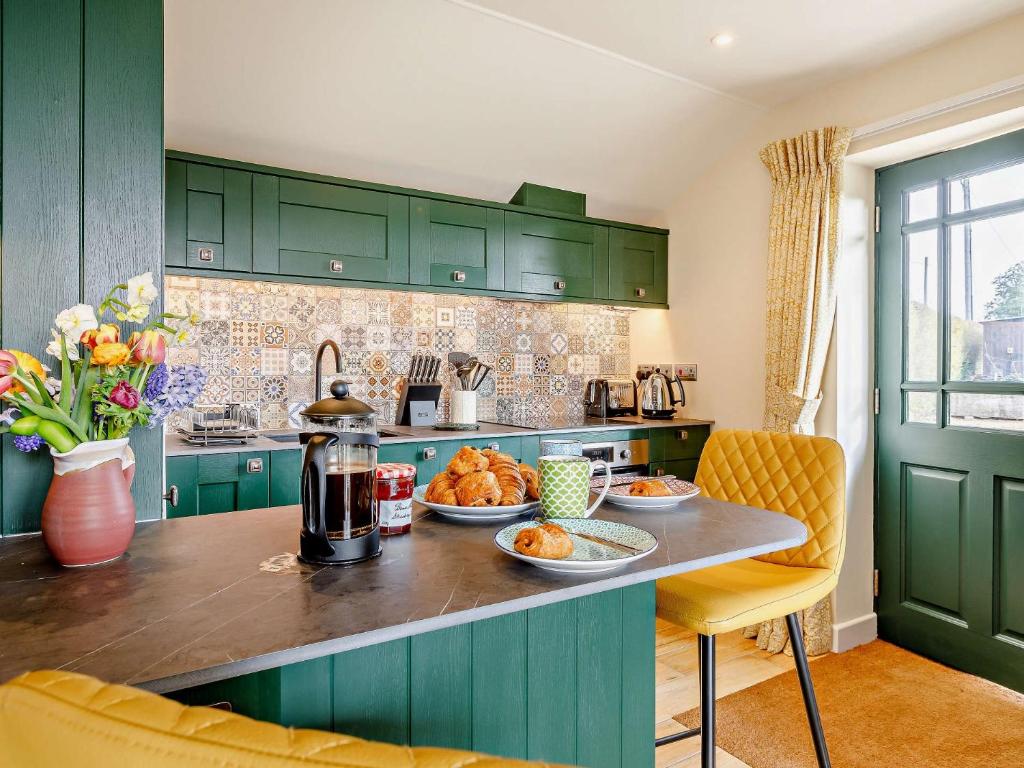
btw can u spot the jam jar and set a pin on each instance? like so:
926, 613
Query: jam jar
395, 483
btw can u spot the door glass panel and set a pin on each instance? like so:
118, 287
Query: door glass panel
986, 299
986, 411
921, 204
989, 188
922, 305
921, 408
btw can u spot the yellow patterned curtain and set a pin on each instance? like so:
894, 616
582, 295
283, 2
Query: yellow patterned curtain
806, 177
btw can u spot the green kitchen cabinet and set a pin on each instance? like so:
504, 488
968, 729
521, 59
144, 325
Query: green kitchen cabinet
684, 469
456, 245
285, 477
676, 450
555, 257
317, 229
448, 448
208, 221
637, 266
421, 456
219, 482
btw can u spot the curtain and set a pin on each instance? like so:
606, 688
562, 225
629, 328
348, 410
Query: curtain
806, 180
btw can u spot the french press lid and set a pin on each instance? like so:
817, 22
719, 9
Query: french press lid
340, 404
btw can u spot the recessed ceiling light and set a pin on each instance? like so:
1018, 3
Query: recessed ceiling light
722, 40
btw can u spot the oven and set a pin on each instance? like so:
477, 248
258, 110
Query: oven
622, 456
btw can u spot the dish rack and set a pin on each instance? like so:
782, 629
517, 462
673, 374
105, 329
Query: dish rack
220, 425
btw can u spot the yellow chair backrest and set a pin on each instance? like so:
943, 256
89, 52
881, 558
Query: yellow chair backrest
799, 475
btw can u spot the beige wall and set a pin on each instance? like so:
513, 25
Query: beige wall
718, 256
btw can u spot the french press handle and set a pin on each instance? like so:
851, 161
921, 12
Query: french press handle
314, 482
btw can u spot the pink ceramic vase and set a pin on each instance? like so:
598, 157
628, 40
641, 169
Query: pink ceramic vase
89, 514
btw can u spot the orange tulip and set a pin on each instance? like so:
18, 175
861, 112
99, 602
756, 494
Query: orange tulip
10, 361
148, 347
110, 354
108, 333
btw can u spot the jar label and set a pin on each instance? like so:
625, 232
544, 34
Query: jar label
395, 513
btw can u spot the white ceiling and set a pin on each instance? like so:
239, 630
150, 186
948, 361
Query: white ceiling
622, 100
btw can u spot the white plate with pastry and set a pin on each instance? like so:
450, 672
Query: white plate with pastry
481, 486
652, 493
576, 545
473, 513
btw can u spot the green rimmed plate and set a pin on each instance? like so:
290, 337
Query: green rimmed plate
587, 556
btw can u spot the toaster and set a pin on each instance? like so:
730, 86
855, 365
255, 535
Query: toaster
606, 398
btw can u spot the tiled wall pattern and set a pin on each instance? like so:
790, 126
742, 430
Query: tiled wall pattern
257, 343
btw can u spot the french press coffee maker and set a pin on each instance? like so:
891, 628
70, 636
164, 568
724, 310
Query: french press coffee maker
340, 522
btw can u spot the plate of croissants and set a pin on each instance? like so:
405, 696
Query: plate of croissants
575, 545
481, 485
652, 493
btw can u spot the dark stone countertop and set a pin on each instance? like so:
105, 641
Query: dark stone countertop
200, 599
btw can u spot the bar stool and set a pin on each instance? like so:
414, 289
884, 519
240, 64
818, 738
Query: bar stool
798, 475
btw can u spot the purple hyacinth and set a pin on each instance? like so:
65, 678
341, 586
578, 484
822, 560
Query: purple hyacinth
28, 443
156, 382
184, 385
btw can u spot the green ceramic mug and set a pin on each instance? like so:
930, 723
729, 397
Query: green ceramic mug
565, 485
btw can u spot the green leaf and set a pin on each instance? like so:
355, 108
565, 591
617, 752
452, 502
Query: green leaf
44, 395
55, 414
66, 393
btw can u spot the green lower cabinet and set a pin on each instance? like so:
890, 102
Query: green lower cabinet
219, 482
672, 443
571, 682
285, 478
684, 469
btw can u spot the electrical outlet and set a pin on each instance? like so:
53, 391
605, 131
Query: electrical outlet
665, 368
643, 369
686, 371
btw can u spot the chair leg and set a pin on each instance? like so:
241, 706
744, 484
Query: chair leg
706, 646
796, 638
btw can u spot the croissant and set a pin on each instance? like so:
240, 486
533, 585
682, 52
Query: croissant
478, 489
532, 480
547, 540
441, 490
649, 488
468, 459
495, 458
513, 487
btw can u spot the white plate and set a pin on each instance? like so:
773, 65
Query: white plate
476, 514
619, 495
587, 556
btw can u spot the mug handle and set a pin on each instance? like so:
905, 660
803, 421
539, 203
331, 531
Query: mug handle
595, 465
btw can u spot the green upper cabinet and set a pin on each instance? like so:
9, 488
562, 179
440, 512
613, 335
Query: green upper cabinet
208, 217
322, 230
453, 245
555, 257
637, 266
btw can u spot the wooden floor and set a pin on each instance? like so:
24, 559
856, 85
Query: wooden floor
740, 664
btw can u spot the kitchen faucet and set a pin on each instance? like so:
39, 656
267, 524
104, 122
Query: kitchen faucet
320, 362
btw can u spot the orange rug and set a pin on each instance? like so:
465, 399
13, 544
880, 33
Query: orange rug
880, 706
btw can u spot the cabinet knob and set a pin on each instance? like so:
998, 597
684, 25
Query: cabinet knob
254, 466
429, 453
682, 434
641, 292
458, 277
206, 254
559, 285
336, 265
171, 497
493, 446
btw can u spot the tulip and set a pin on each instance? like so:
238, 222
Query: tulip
111, 354
125, 395
8, 366
10, 361
108, 333
148, 347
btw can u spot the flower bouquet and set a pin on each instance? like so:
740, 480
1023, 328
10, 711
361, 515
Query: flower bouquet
107, 387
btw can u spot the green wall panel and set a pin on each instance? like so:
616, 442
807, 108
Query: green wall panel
551, 682
371, 692
1009, 563
441, 684
499, 704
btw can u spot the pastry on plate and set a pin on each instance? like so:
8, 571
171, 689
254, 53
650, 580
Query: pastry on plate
504, 467
532, 480
466, 460
478, 489
441, 490
549, 541
650, 488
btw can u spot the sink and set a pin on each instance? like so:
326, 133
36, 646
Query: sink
293, 437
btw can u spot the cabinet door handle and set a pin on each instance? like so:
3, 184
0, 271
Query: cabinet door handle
659, 471
682, 434
559, 285
641, 292
171, 497
336, 265
254, 466
493, 446
429, 453
458, 276
206, 254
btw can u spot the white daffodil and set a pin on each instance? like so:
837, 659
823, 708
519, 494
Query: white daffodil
142, 290
137, 313
76, 320
53, 348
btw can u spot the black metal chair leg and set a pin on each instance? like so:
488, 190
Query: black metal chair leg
707, 700
796, 638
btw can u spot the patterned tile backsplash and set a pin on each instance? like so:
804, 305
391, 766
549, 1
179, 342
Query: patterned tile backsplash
257, 342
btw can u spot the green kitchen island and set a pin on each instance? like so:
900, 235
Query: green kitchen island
443, 640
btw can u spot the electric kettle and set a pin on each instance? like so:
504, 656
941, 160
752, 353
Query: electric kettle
657, 400
340, 523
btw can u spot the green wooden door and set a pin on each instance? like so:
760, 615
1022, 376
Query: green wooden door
285, 477
456, 245
950, 428
321, 230
555, 257
637, 265
219, 482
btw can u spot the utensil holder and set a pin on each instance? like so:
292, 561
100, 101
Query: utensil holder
463, 407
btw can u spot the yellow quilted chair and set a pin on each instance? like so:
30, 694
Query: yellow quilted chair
51, 719
798, 475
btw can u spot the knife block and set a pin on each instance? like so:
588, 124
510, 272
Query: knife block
417, 404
